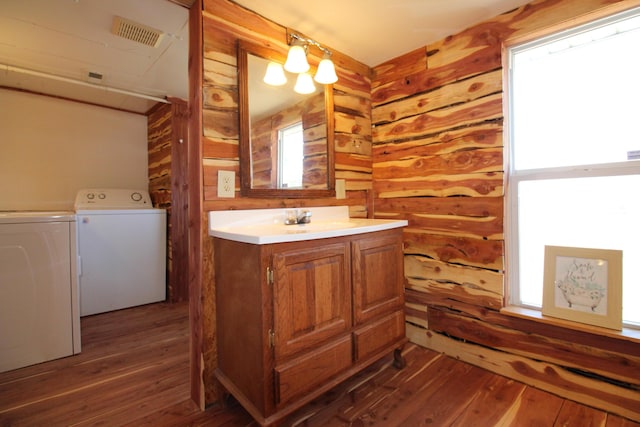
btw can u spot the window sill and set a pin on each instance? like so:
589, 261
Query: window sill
626, 334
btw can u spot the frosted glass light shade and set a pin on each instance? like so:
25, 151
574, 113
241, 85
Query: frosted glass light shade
296, 60
274, 75
326, 73
304, 84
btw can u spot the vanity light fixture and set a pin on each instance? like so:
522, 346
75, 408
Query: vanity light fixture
297, 63
297, 60
326, 73
304, 84
274, 75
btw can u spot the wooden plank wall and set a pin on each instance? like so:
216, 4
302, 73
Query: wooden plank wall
159, 135
166, 126
438, 162
224, 23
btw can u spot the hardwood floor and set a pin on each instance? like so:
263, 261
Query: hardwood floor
133, 371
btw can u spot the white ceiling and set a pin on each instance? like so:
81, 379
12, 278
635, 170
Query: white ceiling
374, 31
70, 38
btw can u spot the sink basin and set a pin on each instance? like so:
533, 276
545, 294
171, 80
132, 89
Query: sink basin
263, 226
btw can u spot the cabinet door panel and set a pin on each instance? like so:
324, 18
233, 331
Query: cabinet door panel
312, 297
379, 335
306, 373
378, 276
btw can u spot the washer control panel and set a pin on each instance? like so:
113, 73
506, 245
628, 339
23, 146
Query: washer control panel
112, 198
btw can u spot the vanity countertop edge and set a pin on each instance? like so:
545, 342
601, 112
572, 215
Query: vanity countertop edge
266, 226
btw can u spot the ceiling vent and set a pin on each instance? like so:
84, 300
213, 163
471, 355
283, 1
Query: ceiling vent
135, 31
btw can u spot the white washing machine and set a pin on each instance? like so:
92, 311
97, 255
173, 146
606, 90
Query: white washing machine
121, 249
39, 315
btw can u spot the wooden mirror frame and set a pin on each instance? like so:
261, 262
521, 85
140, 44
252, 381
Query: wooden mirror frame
244, 49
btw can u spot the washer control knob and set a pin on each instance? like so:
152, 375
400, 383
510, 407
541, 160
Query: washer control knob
91, 196
136, 197
102, 196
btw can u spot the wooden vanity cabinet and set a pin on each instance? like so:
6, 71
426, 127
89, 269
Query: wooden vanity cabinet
377, 268
294, 319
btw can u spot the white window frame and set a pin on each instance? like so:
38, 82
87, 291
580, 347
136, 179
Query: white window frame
515, 177
282, 134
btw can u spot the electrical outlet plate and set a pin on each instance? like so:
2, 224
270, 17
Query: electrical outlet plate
226, 184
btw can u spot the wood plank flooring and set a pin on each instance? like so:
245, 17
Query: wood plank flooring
134, 371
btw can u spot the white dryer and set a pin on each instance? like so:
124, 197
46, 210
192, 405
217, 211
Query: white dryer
39, 317
122, 249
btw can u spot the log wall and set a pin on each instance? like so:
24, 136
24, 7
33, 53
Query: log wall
166, 125
438, 162
159, 133
223, 24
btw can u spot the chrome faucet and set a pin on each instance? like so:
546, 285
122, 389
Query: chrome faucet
295, 216
304, 217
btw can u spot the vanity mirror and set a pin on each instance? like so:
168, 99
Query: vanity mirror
286, 138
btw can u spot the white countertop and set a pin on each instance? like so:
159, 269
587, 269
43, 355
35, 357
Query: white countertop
263, 226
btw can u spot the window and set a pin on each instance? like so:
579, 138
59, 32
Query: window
574, 152
290, 156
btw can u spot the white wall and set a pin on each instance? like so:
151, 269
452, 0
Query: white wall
51, 148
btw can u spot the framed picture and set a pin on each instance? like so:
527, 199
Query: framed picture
583, 285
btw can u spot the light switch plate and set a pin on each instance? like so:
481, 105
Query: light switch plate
341, 192
226, 184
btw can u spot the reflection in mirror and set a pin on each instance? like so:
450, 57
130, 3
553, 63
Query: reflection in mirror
286, 149
291, 153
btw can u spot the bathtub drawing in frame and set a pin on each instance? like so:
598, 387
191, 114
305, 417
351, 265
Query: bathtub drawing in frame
583, 285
